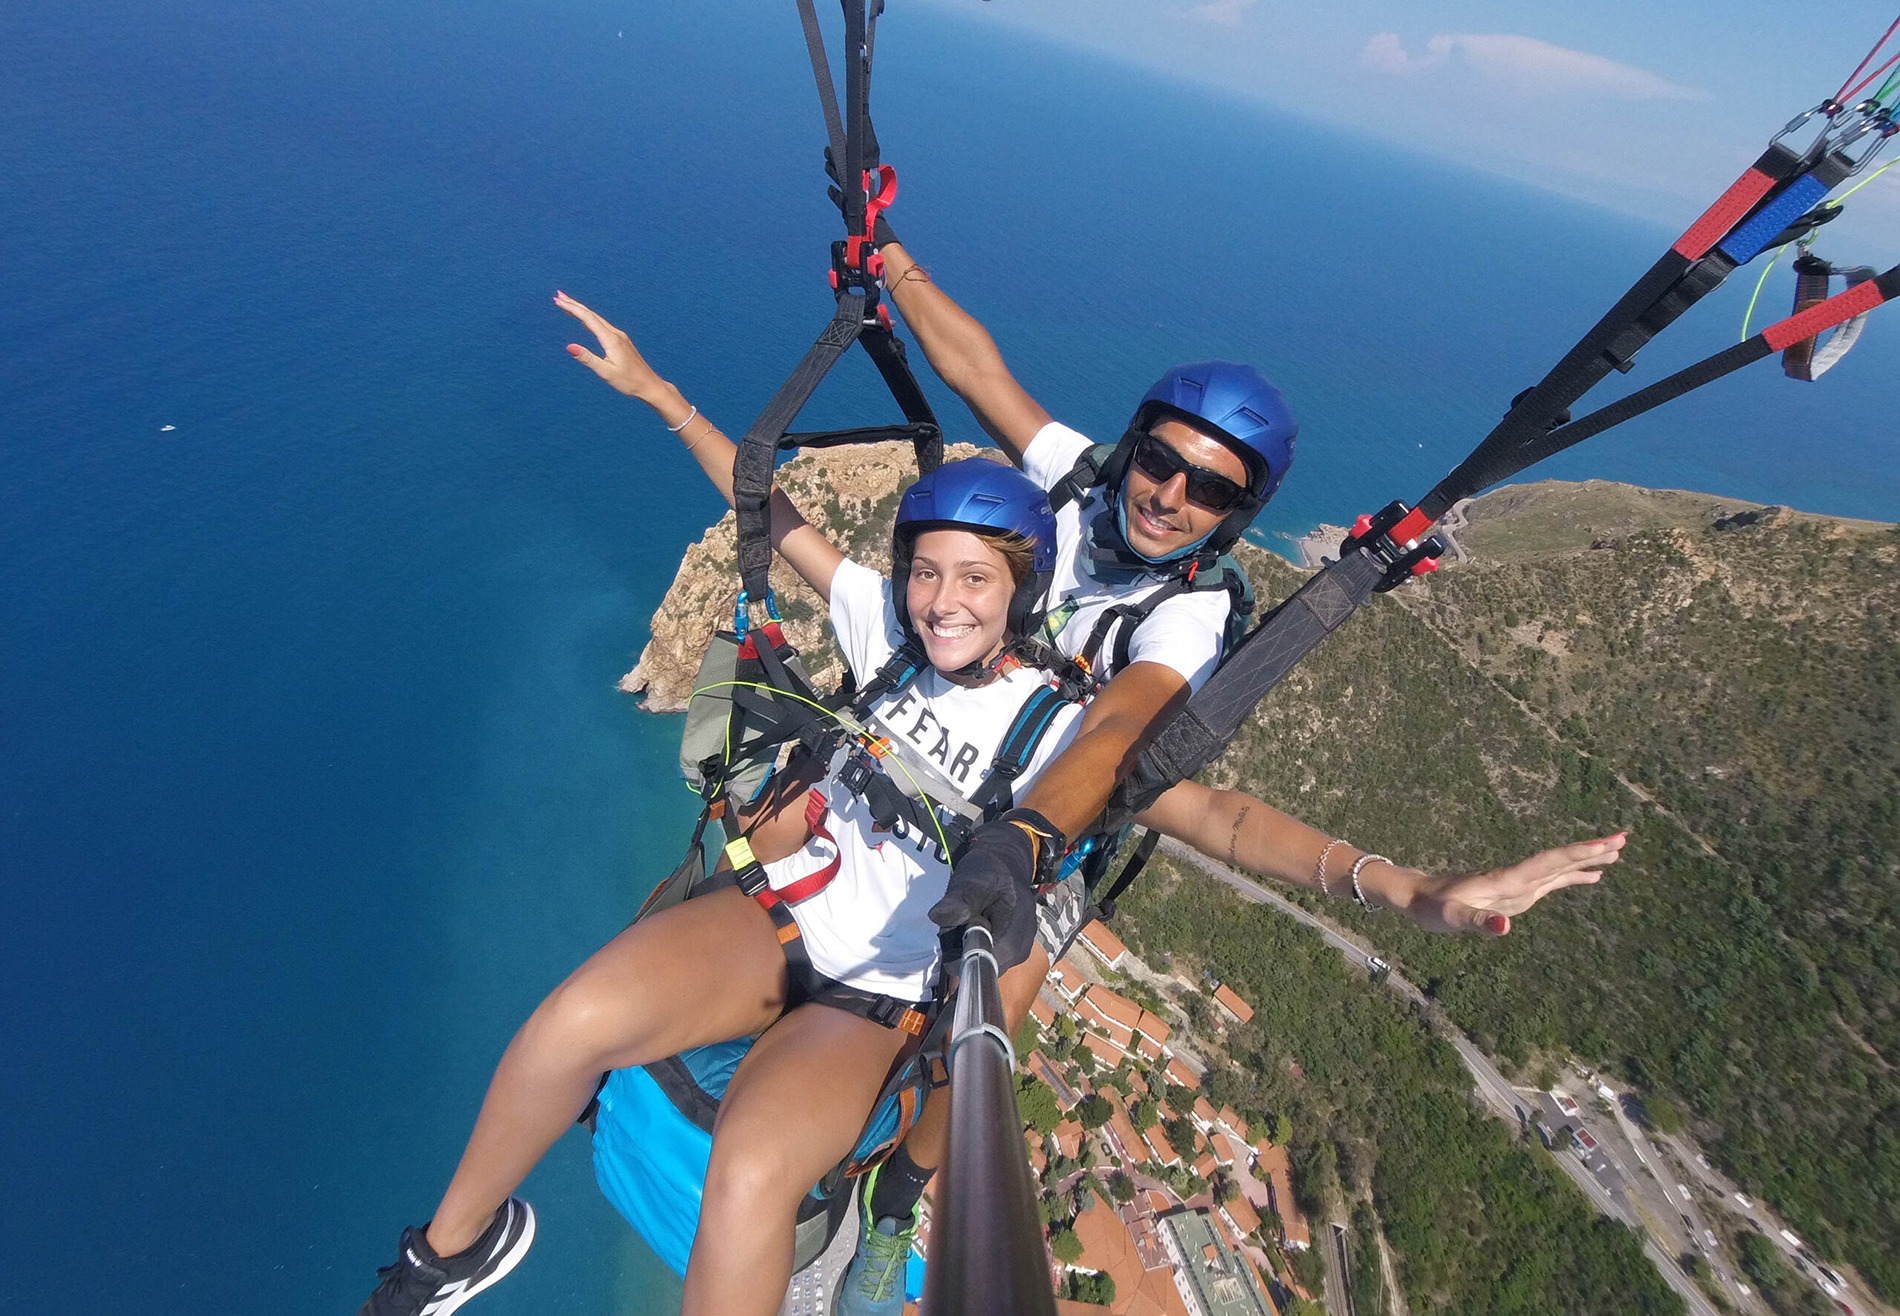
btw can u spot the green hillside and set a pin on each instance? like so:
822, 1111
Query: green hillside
1740, 670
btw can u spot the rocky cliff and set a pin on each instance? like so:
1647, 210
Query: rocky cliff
850, 494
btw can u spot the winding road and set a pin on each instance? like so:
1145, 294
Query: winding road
1492, 1086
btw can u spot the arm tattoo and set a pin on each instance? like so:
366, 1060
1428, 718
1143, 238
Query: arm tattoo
1233, 842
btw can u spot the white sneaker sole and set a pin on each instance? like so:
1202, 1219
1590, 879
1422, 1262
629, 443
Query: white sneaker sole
509, 1259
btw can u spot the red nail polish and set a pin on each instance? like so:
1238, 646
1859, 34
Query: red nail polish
1498, 924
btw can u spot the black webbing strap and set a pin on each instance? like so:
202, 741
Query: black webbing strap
1212, 717
1131, 870
1691, 269
1817, 319
758, 450
821, 70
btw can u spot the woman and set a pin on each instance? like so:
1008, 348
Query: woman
847, 933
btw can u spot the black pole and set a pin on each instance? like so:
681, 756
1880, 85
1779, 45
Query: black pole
986, 1251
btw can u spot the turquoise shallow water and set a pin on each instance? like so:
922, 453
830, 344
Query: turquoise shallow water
315, 776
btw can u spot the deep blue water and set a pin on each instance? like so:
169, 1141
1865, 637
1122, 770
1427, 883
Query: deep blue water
315, 779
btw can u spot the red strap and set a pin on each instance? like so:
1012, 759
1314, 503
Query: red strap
1857, 300
811, 884
1724, 215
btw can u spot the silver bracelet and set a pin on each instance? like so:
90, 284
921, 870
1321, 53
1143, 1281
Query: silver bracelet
1362, 861
1319, 870
675, 429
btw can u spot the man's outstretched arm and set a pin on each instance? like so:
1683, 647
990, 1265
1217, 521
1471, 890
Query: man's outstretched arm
963, 354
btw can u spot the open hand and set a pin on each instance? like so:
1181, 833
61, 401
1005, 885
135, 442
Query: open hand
619, 362
1485, 902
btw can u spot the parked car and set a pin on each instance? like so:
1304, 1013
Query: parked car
1684, 1190
1746, 1204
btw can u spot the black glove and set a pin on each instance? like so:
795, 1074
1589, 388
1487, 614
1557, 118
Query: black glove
881, 230
994, 881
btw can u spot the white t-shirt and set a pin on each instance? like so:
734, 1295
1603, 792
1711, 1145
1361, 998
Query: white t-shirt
870, 927
1183, 632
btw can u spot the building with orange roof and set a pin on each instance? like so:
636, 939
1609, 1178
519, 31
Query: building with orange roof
1109, 1248
1231, 1118
1181, 1076
1204, 1114
1272, 1165
1239, 1213
1206, 1165
1121, 1019
1105, 1050
1067, 978
1042, 1013
1133, 1150
1068, 1136
1107, 946
1158, 1143
1227, 999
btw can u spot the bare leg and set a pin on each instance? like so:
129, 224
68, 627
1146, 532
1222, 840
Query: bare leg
929, 1137
701, 972
793, 1110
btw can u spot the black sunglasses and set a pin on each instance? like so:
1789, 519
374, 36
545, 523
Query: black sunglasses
1210, 489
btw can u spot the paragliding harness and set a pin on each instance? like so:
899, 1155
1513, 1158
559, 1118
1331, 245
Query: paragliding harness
753, 705
1780, 199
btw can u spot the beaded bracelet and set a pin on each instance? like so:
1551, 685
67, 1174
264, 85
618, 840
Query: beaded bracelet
675, 429
1362, 861
1319, 870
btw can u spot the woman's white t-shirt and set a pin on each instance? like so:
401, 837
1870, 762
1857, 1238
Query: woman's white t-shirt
1184, 632
870, 927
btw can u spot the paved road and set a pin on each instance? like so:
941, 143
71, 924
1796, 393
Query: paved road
1491, 1085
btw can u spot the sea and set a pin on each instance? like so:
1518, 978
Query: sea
319, 558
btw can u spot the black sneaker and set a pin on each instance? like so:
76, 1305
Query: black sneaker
422, 1284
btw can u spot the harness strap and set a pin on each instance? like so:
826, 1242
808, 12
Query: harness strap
808, 985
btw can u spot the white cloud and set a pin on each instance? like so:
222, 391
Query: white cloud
1524, 64
1225, 12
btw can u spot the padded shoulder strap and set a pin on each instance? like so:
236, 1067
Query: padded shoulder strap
1086, 474
1018, 747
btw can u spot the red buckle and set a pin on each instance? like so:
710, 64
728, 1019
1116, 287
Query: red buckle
1424, 565
876, 203
815, 806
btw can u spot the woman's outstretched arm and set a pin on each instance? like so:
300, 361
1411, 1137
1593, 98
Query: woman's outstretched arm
810, 554
1242, 831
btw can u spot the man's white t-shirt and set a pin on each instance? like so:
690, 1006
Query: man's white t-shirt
1184, 632
870, 927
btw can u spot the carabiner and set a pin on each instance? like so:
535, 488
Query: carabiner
1830, 107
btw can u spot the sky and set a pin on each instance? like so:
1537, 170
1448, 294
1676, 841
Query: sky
1647, 108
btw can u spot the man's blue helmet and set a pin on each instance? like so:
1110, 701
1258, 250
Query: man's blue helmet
987, 498
1235, 404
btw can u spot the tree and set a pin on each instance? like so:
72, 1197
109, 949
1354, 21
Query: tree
1146, 1113
1085, 1061
1065, 1027
1036, 1102
1121, 1187
1065, 1247
1182, 1099
1663, 1114
1093, 1110
1028, 1037
1282, 1129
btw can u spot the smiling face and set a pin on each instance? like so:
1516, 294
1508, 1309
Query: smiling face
1161, 519
959, 594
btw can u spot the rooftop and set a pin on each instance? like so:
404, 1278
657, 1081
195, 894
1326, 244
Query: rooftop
1223, 1285
1181, 1076
1230, 1000
1096, 936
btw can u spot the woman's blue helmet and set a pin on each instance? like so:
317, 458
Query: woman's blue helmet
985, 497
1234, 404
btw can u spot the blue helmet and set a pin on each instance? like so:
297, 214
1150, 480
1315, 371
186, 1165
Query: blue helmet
985, 497
1234, 404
